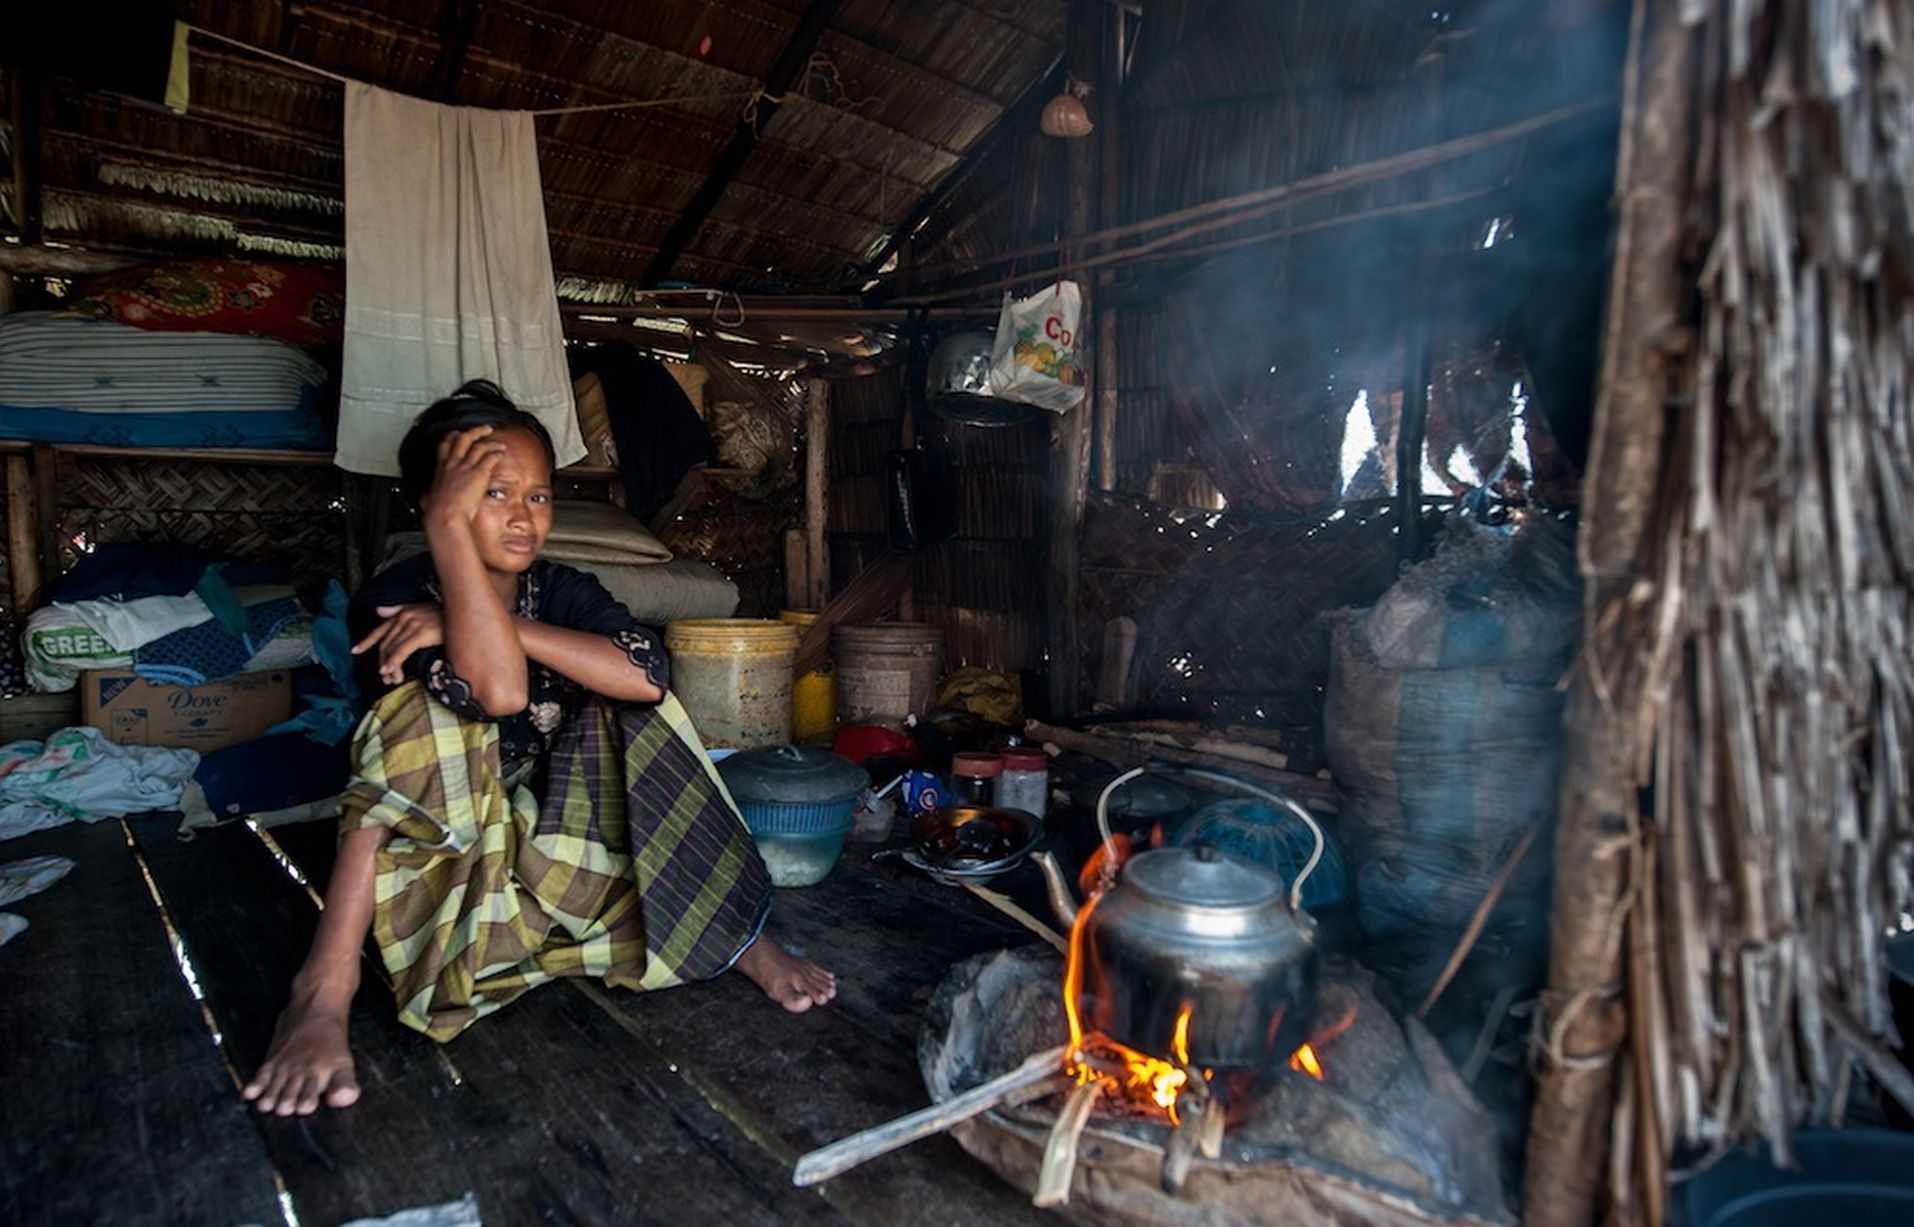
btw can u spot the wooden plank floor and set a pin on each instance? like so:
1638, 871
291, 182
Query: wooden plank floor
577, 1104
111, 1075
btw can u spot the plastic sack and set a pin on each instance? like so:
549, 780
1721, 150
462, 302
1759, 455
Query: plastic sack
1035, 358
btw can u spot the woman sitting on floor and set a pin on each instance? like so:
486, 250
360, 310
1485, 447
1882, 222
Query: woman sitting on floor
528, 800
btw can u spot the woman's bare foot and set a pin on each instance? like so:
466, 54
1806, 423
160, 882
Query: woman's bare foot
308, 1062
794, 983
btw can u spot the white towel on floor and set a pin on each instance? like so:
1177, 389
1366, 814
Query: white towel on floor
448, 272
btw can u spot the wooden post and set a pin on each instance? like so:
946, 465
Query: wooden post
1109, 210
1585, 1026
1070, 432
23, 540
817, 491
46, 509
24, 114
1412, 422
797, 568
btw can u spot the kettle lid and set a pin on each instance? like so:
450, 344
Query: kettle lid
1202, 877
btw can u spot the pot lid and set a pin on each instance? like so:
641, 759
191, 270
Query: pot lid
1202, 877
791, 774
1149, 797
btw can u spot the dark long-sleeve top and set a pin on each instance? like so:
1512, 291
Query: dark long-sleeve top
548, 592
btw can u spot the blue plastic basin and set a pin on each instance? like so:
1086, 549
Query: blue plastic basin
1850, 1177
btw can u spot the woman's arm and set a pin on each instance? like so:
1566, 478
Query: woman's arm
481, 641
596, 662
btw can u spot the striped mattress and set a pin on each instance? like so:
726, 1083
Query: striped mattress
65, 379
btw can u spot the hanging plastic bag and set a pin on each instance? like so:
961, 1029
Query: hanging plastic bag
1035, 359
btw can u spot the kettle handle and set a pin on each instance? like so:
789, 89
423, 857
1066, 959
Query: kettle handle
1276, 796
1110, 861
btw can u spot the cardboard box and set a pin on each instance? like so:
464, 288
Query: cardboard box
135, 712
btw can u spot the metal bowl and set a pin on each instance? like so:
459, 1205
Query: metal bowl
970, 842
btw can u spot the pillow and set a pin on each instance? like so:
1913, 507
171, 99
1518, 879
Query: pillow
300, 304
600, 532
594, 420
691, 378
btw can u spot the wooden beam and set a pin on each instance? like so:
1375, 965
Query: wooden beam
457, 21
36, 261
787, 72
23, 107
1586, 1018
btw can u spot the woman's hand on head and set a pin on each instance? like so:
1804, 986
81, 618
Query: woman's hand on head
406, 629
466, 461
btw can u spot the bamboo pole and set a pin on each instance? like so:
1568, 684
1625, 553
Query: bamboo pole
1263, 201
1585, 1024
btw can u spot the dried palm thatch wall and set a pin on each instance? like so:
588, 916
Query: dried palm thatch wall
1736, 810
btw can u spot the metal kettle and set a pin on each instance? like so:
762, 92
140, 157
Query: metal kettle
1193, 931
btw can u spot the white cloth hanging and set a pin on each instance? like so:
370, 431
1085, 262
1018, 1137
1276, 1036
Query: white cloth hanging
448, 272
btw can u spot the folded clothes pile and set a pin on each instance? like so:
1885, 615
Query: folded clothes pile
172, 615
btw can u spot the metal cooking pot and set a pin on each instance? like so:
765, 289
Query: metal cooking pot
957, 381
1191, 928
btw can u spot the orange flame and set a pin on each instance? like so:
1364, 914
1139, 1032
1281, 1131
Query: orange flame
1099, 870
1305, 1061
1145, 1079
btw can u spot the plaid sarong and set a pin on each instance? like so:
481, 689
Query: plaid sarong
634, 867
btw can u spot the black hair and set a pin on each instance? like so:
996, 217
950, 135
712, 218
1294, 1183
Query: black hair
477, 403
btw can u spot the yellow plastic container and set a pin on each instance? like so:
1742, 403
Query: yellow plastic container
813, 696
734, 677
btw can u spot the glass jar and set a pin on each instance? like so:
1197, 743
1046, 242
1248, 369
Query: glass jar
973, 778
1025, 781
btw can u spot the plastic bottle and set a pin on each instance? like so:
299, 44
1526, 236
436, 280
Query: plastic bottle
1025, 782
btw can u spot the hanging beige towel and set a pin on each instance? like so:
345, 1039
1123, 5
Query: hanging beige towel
448, 272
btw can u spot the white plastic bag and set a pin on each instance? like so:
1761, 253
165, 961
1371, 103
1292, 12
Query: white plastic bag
1035, 359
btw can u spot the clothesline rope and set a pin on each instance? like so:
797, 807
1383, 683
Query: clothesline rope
637, 104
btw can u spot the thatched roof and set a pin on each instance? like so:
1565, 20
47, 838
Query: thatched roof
885, 101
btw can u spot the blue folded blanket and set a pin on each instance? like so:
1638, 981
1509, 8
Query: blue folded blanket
207, 652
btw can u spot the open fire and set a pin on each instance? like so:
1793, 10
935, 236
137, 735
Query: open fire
1140, 1081
1391, 1139
1128, 1076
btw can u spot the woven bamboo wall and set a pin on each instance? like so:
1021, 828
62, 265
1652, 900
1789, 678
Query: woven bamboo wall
984, 587
1230, 607
269, 512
